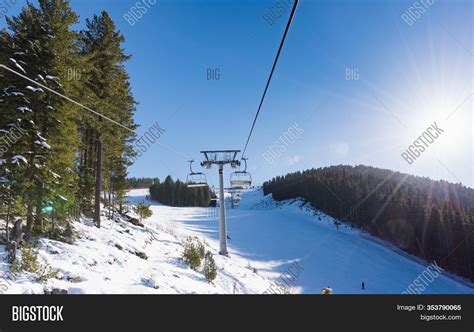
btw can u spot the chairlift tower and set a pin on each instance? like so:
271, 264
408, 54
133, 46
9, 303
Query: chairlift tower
221, 158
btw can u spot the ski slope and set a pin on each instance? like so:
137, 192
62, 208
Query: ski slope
266, 239
271, 236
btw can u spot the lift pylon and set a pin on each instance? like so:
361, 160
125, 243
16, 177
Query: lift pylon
221, 158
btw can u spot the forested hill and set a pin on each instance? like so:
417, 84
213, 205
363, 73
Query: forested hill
430, 219
176, 193
134, 183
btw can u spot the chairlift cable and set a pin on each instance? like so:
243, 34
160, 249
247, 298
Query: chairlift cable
67, 98
85, 107
271, 74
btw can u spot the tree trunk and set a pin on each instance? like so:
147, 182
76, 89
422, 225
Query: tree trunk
90, 173
98, 181
29, 222
82, 175
16, 232
38, 223
8, 219
110, 202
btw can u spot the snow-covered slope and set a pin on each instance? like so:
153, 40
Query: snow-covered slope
340, 258
107, 260
266, 239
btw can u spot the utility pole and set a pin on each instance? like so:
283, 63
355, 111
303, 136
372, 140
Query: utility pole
221, 158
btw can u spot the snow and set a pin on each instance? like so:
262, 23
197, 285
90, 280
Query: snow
17, 65
56, 176
43, 144
24, 109
16, 159
341, 259
15, 94
29, 87
104, 261
266, 238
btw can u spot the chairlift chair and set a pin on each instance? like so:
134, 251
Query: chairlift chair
195, 179
241, 179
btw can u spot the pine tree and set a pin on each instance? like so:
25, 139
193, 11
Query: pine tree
210, 268
143, 211
109, 84
40, 161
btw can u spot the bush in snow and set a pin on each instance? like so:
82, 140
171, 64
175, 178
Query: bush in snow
193, 252
29, 263
210, 268
143, 211
200, 248
61, 233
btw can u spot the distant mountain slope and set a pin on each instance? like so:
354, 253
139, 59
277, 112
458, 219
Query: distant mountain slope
430, 219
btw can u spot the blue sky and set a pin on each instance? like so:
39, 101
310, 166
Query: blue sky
409, 76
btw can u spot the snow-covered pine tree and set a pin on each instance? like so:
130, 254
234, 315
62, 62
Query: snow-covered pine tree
41, 160
52, 158
108, 80
60, 17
